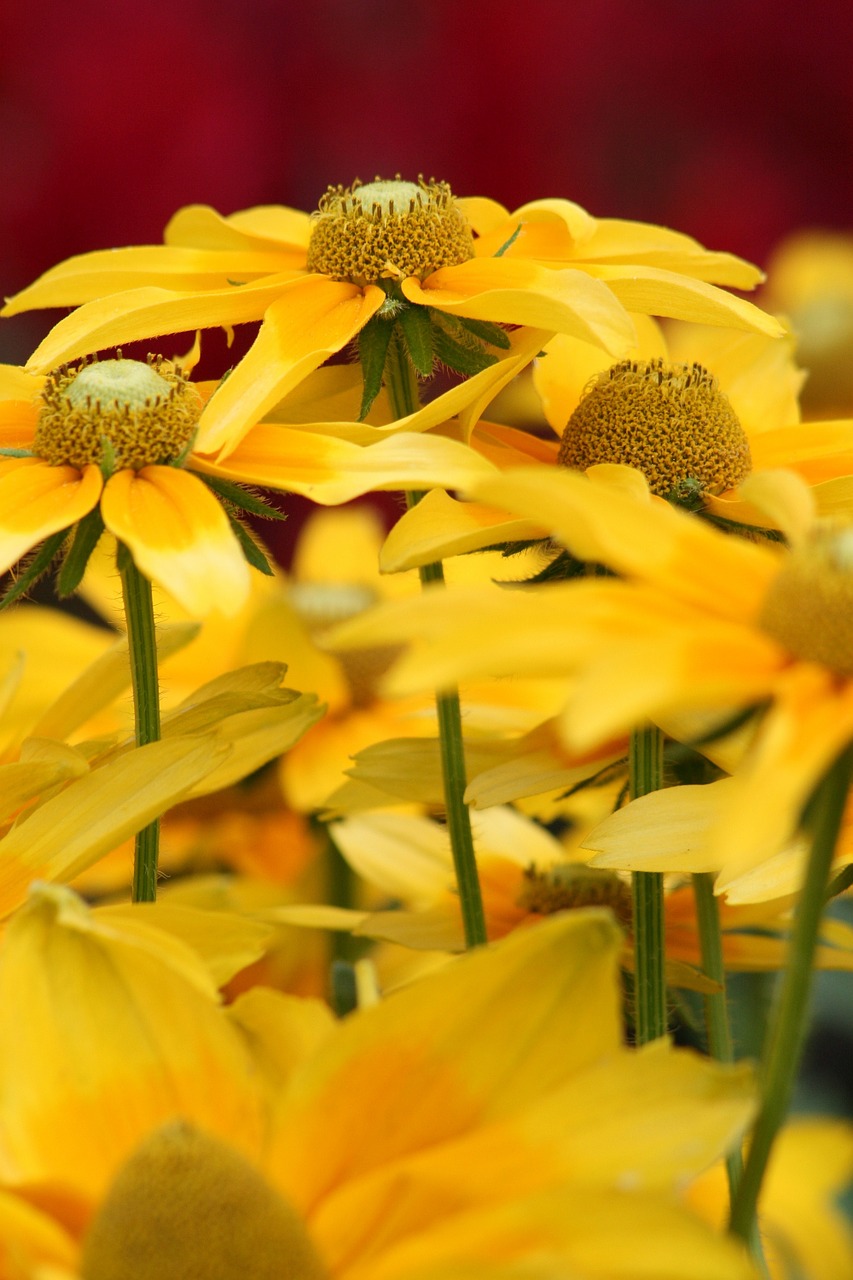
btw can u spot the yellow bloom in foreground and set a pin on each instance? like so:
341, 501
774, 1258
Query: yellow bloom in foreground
804, 1230
484, 1121
375, 249
701, 622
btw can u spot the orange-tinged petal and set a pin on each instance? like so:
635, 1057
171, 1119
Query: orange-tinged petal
149, 312
29, 1235
315, 318
108, 1032
266, 227
179, 536
666, 293
517, 291
37, 500
330, 471
478, 1040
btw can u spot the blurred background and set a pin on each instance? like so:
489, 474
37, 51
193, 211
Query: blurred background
731, 120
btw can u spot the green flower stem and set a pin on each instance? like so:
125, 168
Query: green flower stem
786, 1033
716, 1007
645, 764
142, 648
403, 394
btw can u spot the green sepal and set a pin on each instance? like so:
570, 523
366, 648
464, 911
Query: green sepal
40, 562
344, 992
250, 548
373, 342
417, 332
507, 243
840, 884
243, 499
464, 354
16, 453
108, 458
486, 331
86, 536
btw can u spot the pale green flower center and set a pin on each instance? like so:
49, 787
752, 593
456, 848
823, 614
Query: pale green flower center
131, 413
388, 230
671, 422
186, 1204
809, 606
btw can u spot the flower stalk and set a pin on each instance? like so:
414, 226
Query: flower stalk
403, 394
787, 1030
645, 764
142, 650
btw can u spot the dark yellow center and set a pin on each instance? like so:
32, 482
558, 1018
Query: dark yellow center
186, 1206
388, 230
562, 888
809, 607
320, 605
137, 414
671, 422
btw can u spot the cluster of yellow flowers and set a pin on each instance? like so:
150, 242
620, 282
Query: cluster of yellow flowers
383, 933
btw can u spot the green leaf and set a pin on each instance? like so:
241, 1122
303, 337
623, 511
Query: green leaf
486, 331
464, 358
86, 536
250, 548
243, 499
372, 352
417, 330
37, 566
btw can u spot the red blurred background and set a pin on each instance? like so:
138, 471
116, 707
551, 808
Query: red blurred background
728, 119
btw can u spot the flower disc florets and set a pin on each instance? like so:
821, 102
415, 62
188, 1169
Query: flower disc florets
388, 230
563, 888
671, 422
133, 413
809, 606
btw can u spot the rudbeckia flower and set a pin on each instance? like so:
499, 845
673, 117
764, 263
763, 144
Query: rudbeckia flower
446, 270
701, 621
485, 1121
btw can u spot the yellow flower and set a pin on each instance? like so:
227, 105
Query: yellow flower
389, 249
486, 1120
804, 1230
702, 622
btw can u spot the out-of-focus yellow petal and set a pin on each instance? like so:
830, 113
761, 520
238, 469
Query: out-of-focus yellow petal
29, 1234
314, 318
95, 812
666, 830
179, 536
37, 500
91, 1061
517, 291
149, 312
439, 526
477, 1040
331, 471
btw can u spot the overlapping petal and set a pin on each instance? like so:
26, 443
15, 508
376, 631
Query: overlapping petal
179, 536
37, 500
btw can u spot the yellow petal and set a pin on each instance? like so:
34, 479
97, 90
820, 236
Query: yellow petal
331, 471
517, 291
108, 1031
179, 536
149, 312
666, 830
314, 318
96, 812
666, 293
37, 500
263, 227
439, 526
617, 241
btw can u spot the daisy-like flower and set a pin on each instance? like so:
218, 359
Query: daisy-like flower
447, 272
484, 1121
701, 621
526, 875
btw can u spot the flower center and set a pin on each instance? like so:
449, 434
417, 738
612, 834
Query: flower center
320, 605
388, 230
810, 602
186, 1204
671, 422
562, 888
122, 410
